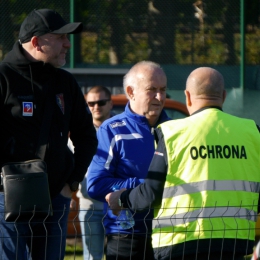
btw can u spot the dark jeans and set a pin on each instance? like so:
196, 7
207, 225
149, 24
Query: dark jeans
126, 247
45, 239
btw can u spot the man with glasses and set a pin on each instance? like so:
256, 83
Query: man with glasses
91, 214
99, 102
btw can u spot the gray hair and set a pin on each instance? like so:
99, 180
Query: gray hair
131, 79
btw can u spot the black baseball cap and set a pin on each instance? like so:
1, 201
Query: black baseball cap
42, 21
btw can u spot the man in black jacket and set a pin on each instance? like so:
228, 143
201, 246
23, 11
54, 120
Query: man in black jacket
30, 80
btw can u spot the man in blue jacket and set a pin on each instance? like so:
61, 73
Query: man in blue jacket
125, 150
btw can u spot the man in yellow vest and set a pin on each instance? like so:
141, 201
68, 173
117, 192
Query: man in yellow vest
203, 181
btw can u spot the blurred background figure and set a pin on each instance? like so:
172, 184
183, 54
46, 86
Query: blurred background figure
99, 102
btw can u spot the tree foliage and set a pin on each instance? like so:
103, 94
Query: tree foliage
123, 31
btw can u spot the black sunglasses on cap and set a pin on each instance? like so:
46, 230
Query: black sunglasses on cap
100, 103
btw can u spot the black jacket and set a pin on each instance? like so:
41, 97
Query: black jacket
24, 81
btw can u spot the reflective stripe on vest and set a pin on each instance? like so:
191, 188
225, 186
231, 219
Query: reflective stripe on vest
213, 185
211, 212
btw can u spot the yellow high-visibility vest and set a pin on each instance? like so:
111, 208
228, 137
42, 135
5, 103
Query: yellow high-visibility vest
213, 181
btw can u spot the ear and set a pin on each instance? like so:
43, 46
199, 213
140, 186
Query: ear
35, 42
188, 98
130, 92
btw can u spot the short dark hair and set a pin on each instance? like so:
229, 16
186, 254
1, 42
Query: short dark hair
98, 89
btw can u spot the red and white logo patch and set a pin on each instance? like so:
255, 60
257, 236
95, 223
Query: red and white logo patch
27, 108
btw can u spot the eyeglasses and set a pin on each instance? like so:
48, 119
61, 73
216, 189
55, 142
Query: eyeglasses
100, 103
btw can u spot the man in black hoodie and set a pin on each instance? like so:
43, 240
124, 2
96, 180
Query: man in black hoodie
30, 79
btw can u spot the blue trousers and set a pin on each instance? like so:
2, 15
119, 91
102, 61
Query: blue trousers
35, 239
93, 234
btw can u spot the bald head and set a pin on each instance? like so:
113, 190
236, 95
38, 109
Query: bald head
137, 74
204, 87
145, 86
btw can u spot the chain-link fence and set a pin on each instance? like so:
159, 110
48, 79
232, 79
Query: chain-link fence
168, 32
212, 230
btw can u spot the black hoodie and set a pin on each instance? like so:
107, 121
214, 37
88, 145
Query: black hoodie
23, 96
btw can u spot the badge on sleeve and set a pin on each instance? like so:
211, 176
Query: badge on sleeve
60, 102
27, 108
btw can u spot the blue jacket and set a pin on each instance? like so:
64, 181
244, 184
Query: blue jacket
125, 150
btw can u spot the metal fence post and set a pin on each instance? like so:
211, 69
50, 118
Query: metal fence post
242, 44
72, 49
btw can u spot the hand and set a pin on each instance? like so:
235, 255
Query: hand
112, 200
66, 191
73, 204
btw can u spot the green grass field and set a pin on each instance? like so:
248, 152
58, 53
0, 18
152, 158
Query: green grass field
74, 250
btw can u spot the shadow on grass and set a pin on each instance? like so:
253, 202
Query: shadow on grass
74, 249
71, 250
